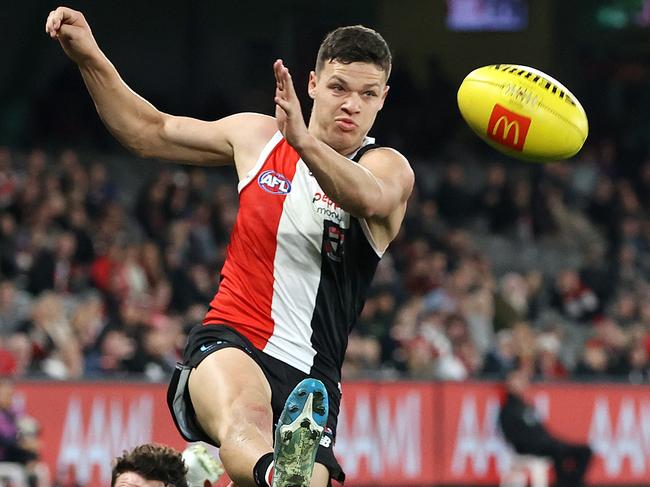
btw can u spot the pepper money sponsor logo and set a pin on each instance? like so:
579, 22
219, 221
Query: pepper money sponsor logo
273, 182
326, 208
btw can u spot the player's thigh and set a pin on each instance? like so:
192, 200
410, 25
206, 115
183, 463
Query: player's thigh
227, 389
320, 477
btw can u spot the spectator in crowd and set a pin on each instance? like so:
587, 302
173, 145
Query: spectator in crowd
376, 321
55, 350
635, 367
55, 269
110, 358
548, 365
19, 442
102, 190
525, 432
495, 200
155, 355
453, 197
602, 209
573, 298
11, 448
8, 244
511, 300
501, 358
363, 352
15, 306
593, 362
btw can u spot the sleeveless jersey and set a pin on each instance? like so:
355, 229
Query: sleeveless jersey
297, 267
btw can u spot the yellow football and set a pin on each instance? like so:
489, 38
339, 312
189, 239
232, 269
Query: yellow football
523, 112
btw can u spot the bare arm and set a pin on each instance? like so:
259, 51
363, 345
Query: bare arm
135, 122
374, 188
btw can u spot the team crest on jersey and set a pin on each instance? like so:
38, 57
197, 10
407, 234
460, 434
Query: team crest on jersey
273, 182
333, 239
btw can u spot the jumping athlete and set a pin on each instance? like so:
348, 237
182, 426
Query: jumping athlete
319, 205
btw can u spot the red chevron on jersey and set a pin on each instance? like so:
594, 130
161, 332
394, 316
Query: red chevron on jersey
246, 287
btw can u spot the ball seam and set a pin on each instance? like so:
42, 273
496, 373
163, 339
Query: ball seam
566, 120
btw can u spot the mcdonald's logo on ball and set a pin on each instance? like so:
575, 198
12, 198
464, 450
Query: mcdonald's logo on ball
508, 128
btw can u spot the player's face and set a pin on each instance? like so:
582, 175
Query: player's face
346, 98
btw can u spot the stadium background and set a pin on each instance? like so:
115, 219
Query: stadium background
105, 260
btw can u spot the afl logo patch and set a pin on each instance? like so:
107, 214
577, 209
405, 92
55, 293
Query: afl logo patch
274, 182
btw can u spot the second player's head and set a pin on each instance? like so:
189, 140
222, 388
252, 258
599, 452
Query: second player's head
149, 465
348, 85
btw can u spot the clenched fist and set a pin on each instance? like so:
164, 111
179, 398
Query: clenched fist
74, 34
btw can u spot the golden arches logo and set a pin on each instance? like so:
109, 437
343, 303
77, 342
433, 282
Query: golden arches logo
509, 125
508, 128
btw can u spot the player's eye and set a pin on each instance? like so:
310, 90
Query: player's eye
370, 93
337, 87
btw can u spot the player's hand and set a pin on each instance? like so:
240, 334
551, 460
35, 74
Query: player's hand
73, 33
287, 107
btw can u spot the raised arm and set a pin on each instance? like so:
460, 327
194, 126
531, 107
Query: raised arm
135, 122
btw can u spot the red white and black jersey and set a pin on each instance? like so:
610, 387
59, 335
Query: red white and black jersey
297, 267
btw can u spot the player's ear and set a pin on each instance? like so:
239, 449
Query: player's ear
311, 86
383, 96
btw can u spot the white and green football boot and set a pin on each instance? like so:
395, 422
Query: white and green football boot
298, 434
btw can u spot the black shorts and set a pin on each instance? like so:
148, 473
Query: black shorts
206, 339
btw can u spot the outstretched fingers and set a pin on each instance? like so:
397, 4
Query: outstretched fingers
277, 71
280, 92
287, 106
284, 104
285, 94
288, 83
284, 82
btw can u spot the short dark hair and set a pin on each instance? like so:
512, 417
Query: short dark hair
152, 462
355, 43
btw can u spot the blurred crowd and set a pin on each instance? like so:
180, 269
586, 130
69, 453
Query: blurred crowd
498, 264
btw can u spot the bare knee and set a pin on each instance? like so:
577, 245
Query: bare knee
244, 431
246, 418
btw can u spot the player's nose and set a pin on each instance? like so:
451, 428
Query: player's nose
352, 104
